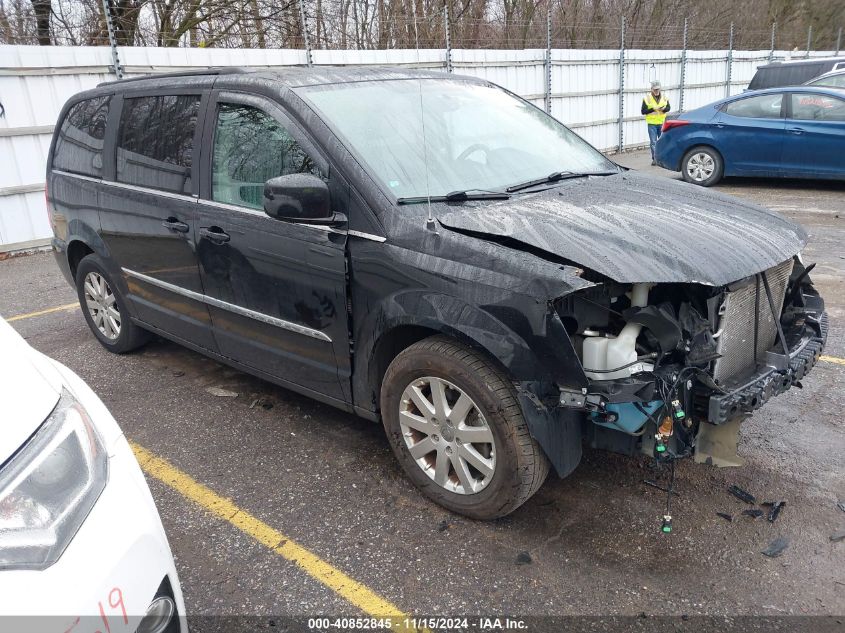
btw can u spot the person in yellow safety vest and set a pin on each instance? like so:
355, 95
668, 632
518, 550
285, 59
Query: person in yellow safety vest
655, 107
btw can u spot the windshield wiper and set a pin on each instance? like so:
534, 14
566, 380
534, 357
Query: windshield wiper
556, 176
458, 196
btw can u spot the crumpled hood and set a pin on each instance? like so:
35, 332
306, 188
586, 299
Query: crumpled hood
637, 228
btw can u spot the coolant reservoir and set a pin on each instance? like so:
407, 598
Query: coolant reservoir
601, 354
595, 355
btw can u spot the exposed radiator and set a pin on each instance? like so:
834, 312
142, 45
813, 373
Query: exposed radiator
736, 341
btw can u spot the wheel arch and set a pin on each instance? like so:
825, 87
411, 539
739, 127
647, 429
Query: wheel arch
77, 249
399, 338
83, 239
695, 142
409, 318
558, 432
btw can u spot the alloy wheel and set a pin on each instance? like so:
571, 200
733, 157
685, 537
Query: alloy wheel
701, 166
447, 436
102, 305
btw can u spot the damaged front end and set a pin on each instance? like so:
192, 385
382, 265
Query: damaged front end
673, 368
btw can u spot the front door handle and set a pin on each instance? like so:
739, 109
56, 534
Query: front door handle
796, 130
175, 224
719, 125
215, 235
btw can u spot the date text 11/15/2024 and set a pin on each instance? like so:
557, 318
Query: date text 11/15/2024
406, 623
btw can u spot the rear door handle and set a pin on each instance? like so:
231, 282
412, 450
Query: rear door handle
175, 224
215, 235
719, 125
796, 130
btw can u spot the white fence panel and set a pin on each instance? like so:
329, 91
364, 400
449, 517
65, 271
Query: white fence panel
36, 81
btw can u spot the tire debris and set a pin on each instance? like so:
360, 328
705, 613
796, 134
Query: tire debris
741, 494
775, 511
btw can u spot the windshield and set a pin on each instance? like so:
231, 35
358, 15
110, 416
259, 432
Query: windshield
833, 81
477, 137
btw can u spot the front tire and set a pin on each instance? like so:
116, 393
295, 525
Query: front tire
702, 166
105, 308
456, 427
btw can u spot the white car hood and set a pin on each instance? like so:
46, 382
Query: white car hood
30, 387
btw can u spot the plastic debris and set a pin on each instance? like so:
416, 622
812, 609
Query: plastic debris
776, 547
443, 526
222, 393
754, 513
741, 494
841, 505
837, 536
524, 558
727, 517
775, 511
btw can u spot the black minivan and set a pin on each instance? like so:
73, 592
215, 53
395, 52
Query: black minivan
432, 252
793, 72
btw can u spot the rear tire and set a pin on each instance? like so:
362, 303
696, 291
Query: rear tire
497, 466
702, 166
105, 308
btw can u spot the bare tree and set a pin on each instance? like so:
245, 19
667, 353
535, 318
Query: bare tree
390, 23
42, 10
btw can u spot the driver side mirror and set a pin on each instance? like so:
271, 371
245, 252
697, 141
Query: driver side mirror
300, 198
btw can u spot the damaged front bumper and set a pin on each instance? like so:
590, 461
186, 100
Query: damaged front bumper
779, 374
622, 415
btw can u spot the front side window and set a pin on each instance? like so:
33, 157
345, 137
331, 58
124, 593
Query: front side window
435, 136
762, 107
816, 107
79, 144
156, 141
250, 148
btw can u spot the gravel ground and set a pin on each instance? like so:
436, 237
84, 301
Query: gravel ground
329, 481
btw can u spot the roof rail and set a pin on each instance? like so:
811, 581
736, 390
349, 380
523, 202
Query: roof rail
200, 72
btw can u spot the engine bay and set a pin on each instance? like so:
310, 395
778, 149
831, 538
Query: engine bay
665, 361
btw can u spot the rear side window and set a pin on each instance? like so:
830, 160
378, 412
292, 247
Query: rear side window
79, 144
251, 147
814, 107
762, 107
155, 142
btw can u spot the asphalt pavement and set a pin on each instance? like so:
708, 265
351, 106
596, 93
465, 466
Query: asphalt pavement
589, 544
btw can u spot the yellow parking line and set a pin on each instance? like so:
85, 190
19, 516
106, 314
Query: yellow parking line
353, 591
833, 359
29, 315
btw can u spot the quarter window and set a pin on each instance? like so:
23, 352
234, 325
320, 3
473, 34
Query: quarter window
762, 107
79, 144
251, 147
816, 107
156, 142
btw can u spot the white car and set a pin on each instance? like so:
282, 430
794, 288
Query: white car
81, 542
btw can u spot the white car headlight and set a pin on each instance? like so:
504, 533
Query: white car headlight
49, 487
